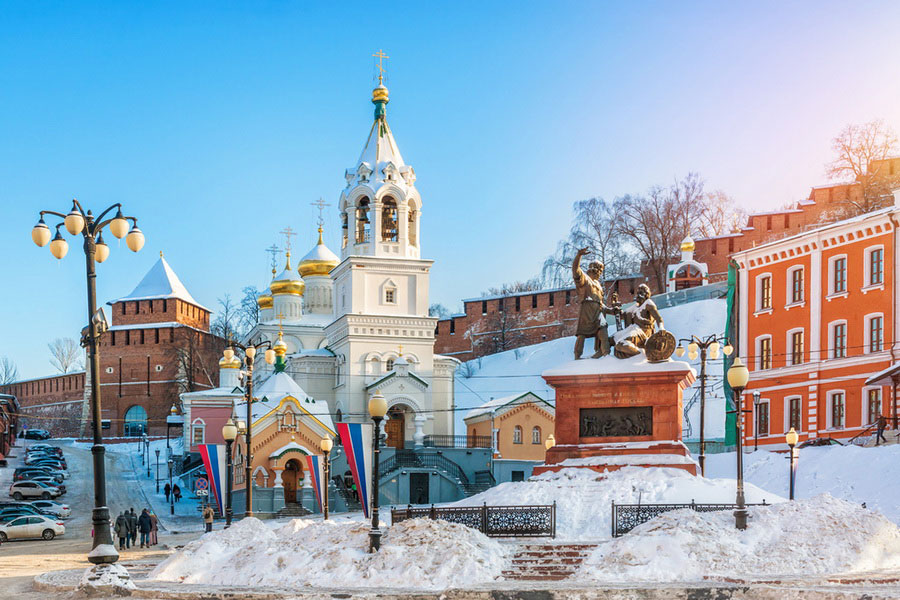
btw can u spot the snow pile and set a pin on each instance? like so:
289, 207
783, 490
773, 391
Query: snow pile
819, 536
846, 472
584, 498
418, 553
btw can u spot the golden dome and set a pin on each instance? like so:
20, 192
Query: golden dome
687, 244
280, 347
287, 282
234, 363
319, 261
265, 301
380, 94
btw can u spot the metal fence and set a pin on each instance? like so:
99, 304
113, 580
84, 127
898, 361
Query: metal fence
493, 521
457, 441
626, 517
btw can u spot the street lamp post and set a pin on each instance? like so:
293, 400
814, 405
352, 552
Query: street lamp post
229, 433
147, 452
79, 221
756, 402
791, 437
326, 444
157, 470
249, 356
171, 463
708, 346
738, 376
377, 410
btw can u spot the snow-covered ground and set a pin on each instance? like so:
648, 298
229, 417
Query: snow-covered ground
518, 371
851, 473
419, 553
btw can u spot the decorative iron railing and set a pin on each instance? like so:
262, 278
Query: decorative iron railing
409, 459
493, 521
457, 441
626, 517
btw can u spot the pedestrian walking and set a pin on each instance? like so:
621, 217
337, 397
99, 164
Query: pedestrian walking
167, 490
154, 528
132, 527
121, 529
879, 432
177, 492
145, 525
208, 515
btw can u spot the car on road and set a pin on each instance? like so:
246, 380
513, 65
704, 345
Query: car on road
35, 434
46, 479
59, 465
44, 458
47, 448
52, 507
33, 489
8, 514
26, 473
30, 527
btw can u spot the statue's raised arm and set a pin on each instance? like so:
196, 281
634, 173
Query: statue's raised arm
591, 322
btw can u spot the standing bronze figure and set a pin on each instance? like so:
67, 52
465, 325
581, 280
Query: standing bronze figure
591, 322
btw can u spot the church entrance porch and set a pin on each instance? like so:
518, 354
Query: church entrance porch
395, 428
290, 479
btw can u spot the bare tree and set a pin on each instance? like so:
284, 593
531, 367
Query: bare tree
248, 311
502, 332
516, 287
225, 325
9, 373
656, 224
861, 153
65, 355
196, 360
438, 310
720, 214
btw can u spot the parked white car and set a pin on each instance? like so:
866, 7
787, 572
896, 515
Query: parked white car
30, 527
51, 506
32, 489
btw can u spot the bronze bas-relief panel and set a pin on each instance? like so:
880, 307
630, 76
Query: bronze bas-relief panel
616, 422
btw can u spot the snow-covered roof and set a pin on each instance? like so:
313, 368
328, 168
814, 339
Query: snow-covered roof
609, 365
160, 282
885, 376
497, 403
292, 445
276, 388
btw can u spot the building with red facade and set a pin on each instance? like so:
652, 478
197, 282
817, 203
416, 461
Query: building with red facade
818, 315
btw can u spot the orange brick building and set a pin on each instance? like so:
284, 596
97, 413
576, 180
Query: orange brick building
818, 318
518, 425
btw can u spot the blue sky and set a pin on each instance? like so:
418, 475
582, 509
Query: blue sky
218, 123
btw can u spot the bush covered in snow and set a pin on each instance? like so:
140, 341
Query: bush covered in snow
417, 553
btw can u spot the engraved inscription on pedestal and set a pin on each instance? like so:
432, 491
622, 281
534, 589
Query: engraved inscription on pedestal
616, 422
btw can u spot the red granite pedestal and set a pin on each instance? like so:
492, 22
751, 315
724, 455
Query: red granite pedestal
613, 413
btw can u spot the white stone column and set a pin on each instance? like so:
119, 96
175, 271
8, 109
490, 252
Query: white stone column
278, 482
419, 435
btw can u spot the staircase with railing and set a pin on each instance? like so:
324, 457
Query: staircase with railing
409, 459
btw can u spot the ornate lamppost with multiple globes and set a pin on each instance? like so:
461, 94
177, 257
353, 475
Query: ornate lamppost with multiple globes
708, 346
791, 437
249, 356
229, 433
738, 376
377, 410
79, 221
326, 444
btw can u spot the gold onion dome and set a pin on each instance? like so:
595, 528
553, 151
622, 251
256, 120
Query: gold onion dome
319, 261
280, 347
380, 94
287, 282
687, 244
234, 363
265, 300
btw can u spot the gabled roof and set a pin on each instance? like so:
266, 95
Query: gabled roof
497, 404
382, 380
160, 282
276, 388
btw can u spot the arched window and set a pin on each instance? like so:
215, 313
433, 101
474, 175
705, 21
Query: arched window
389, 226
517, 434
339, 416
198, 432
411, 225
390, 365
363, 228
344, 230
536, 435
135, 421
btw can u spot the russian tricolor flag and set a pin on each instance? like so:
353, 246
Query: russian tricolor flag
213, 456
357, 440
316, 466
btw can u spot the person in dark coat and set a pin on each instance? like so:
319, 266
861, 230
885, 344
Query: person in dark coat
177, 491
145, 525
121, 529
132, 527
167, 490
879, 432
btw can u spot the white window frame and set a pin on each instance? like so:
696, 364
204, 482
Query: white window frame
787, 412
517, 429
540, 436
865, 403
756, 417
867, 265
392, 292
831, 291
831, 346
758, 362
789, 296
200, 424
759, 306
867, 334
828, 415
789, 345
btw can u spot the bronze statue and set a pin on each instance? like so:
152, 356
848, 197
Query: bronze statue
590, 294
641, 321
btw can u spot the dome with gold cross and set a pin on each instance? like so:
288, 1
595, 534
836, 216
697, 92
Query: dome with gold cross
265, 300
287, 282
319, 261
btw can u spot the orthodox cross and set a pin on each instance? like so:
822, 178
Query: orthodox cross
280, 317
380, 55
321, 204
273, 250
401, 350
288, 234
